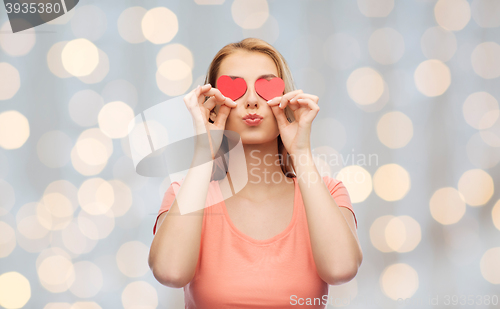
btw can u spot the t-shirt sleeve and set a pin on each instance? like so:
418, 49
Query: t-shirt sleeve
168, 200
339, 193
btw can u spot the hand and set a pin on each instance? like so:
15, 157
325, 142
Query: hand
200, 111
296, 136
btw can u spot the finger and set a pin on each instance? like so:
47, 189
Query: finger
208, 90
308, 102
212, 101
222, 115
288, 96
280, 116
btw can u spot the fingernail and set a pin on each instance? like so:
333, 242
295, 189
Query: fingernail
269, 101
279, 105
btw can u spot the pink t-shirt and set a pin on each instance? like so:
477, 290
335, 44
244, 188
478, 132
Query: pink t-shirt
237, 271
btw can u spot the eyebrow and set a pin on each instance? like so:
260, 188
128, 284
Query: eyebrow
262, 76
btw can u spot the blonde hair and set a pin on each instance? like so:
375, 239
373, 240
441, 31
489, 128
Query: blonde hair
260, 46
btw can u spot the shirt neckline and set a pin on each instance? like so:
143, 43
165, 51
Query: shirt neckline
275, 237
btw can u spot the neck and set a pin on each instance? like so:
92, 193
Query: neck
263, 169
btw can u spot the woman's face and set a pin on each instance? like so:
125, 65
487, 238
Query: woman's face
250, 66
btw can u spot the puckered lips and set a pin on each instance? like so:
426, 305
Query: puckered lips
252, 119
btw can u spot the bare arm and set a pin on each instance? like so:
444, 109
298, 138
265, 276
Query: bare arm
174, 252
176, 245
334, 241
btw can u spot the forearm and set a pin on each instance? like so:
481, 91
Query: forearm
335, 247
175, 247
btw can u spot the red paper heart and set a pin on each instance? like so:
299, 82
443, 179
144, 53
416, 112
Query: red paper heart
231, 88
269, 89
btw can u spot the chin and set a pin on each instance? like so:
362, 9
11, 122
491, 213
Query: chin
252, 136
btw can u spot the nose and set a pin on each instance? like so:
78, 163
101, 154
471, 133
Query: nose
252, 99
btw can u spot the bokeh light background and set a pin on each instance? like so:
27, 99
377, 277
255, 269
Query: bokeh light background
408, 90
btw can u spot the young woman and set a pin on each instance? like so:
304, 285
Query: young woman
289, 233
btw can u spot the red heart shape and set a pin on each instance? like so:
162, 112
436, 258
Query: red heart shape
269, 89
231, 88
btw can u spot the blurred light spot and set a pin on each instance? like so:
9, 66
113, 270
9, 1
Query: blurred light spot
89, 22
375, 8
10, 81
490, 268
96, 196
80, 57
120, 90
7, 197
395, 129
452, 15
486, 13
341, 51
342, 294
100, 71
54, 149
486, 60
84, 106
495, 214
432, 77
357, 181
54, 60
480, 110
91, 151
395, 233
476, 186
413, 234
174, 69
129, 24
400, 234
114, 118
132, 259
27, 222
399, 281
250, 14
386, 45
268, 32
391, 182
14, 129
491, 136
122, 197
321, 137
377, 233
96, 150
54, 211
173, 87
88, 279
438, 43
7, 240
15, 290
61, 20
176, 52
365, 86
85, 305
159, 25
98, 226
139, 292
480, 153
379, 104
209, 2
447, 205
56, 273
75, 241
16, 44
